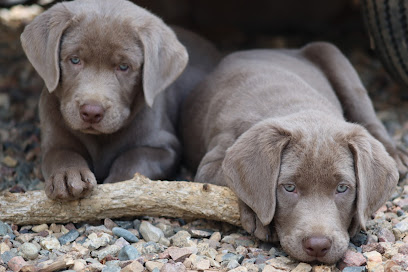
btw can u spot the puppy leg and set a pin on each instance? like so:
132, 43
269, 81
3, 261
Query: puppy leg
210, 170
154, 163
353, 96
251, 223
67, 175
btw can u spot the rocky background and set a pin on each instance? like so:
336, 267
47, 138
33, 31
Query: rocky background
162, 244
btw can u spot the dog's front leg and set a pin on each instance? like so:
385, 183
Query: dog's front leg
152, 162
67, 174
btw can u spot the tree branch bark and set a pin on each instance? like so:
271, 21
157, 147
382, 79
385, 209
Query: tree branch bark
136, 197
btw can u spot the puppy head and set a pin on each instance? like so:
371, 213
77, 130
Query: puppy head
310, 182
103, 59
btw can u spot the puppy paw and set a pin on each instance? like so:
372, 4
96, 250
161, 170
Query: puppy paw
70, 184
251, 223
401, 158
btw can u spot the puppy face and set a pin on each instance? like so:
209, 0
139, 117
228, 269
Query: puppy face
314, 183
315, 194
103, 59
100, 75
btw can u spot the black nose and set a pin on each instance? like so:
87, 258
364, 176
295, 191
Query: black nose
316, 246
92, 113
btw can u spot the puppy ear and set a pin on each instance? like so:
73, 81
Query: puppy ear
376, 175
41, 42
164, 57
252, 167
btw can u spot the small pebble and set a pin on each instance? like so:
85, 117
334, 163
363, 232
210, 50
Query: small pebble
150, 265
128, 253
181, 239
69, 237
150, 232
7, 256
16, 263
109, 223
127, 235
135, 266
40, 228
111, 268
50, 243
354, 269
29, 251
9, 161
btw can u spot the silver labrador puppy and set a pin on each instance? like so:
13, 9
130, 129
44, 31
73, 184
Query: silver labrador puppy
115, 76
293, 133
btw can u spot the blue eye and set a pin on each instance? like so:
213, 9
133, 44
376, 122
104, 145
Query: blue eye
341, 188
75, 60
289, 187
123, 67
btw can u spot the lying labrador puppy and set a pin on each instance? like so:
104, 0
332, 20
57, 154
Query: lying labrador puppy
271, 125
113, 89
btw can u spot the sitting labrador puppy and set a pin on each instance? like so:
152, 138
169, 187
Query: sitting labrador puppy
115, 76
279, 127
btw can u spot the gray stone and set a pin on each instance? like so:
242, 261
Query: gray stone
50, 243
150, 232
111, 268
402, 226
136, 224
96, 241
232, 264
355, 269
231, 256
7, 256
124, 224
151, 247
128, 253
109, 250
69, 237
5, 229
164, 241
127, 235
181, 239
167, 229
29, 251
359, 239
200, 233
121, 242
44, 252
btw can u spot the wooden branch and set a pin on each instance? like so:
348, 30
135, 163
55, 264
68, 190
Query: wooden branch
136, 197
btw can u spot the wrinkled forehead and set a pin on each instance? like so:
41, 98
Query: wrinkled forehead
100, 37
317, 160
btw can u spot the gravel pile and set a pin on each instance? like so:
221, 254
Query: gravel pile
164, 245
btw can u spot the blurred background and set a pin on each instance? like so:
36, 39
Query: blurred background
231, 25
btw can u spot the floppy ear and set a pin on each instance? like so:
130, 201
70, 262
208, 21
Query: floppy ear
376, 175
164, 57
41, 42
252, 167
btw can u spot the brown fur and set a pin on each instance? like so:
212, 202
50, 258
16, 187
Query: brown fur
133, 111
269, 121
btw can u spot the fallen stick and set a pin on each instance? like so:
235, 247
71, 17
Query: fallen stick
136, 197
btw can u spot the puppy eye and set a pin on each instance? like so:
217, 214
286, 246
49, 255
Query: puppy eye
75, 60
341, 188
289, 187
123, 67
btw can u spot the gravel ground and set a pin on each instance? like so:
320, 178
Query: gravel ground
161, 244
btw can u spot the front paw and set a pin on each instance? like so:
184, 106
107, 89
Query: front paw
251, 223
70, 184
401, 158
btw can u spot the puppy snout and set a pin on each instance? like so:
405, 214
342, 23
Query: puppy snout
92, 112
316, 246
